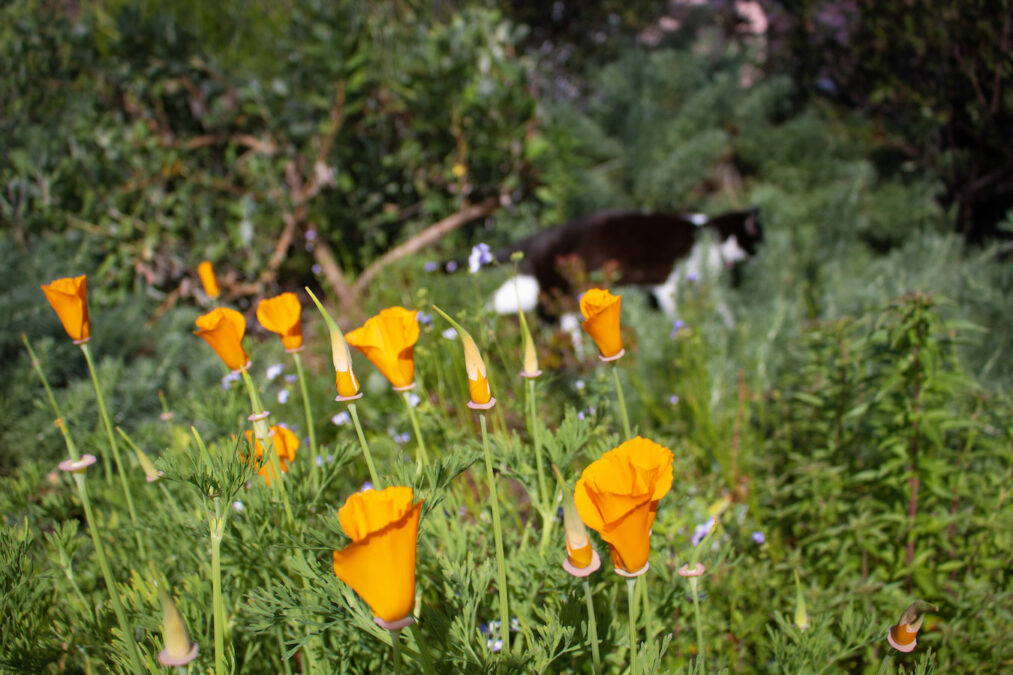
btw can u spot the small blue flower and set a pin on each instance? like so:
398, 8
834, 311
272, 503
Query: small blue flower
274, 371
677, 326
366, 486
450, 334
692, 276
413, 399
291, 378
758, 537
702, 530
317, 269
283, 396
480, 255
579, 385
424, 319
431, 266
451, 266
238, 506
341, 418
674, 399
229, 379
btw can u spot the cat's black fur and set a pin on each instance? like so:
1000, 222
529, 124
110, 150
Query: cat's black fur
643, 247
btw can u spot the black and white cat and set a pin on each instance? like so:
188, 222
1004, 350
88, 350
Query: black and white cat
655, 250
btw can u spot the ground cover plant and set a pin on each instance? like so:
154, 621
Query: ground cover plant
835, 464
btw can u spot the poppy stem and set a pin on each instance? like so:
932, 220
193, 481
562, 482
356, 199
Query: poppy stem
309, 417
422, 458
365, 448
631, 597
504, 609
71, 448
112, 446
592, 627
103, 562
427, 659
395, 641
693, 581
536, 442
648, 618
217, 529
260, 432
622, 401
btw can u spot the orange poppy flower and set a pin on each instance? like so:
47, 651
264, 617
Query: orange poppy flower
601, 320
478, 381
69, 297
581, 558
902, 637
285, 442
208, 279
379, 564
223, 328
618, 494
388, 340
280, 315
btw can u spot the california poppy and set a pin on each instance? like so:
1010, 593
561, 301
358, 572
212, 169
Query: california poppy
223, 328
581, 558
344, 376
208, 279
281, 315
601, 320
618, 494
379, 564
179, 650
388, 340
285, 442
903, 636
478, 381
69, 297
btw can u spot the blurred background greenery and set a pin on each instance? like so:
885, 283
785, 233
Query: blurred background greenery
294, 143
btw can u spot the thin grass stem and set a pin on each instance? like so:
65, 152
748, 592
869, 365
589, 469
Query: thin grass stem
374, 479
622, 401
592, 627
504, 609
314, 469
422, 458
395, 641
693, 581
427, 660
104, 414
648, 617
100, 553
217, 528
631, 596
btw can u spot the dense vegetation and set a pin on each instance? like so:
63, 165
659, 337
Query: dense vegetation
852, 427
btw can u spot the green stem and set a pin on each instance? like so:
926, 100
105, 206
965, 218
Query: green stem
427, 660
309, 416
696, 614
504, 609
61, 424
121, 617
395, 641
622, 401
104, 414
365, 448
536, 442
217, 529
261, 433
422, 458
592, 627
631, 596
648, 618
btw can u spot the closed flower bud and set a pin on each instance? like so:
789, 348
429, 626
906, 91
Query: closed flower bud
69, 298
208, 279
478, 382
281, 314
601, 321
179, 650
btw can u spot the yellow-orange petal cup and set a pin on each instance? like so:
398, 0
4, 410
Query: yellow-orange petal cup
601, 312
388, 341
223, 329
282, 315
69, 298
618, 494
379, 565
208, 279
